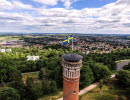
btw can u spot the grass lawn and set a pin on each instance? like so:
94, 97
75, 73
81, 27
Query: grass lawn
108, 92
53, 96
34, 75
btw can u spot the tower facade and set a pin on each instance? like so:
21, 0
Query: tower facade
71, 74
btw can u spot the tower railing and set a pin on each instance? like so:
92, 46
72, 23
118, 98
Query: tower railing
72, 65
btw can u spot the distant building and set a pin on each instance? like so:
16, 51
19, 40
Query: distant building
5, 50
8, 50
2, 50
33, 58
87, 51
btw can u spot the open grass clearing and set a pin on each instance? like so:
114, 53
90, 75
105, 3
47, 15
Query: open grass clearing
34, 75
53, 96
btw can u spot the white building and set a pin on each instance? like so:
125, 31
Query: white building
2, 50
33, 58
5, 50
8, 50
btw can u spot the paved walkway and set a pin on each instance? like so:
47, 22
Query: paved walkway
88, 88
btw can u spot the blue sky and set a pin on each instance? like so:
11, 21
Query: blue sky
91, 3
65, 16
79, 4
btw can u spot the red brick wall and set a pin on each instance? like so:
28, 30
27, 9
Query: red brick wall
70, 90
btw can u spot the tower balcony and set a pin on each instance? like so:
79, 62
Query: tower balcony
72, 64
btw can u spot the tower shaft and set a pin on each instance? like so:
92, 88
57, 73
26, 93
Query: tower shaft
71, 75
70, 90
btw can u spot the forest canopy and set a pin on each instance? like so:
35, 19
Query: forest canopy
13, 64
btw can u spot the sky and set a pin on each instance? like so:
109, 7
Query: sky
65, 16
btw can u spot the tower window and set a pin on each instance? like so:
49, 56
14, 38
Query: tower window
74, 91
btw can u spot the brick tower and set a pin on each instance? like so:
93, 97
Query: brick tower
71, 73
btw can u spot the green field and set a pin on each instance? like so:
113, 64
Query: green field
7, 38
34, 75
53, 96
108, 92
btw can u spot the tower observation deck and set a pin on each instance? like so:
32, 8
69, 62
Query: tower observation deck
71, 73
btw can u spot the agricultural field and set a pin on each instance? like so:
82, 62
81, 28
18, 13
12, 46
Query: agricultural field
7, 38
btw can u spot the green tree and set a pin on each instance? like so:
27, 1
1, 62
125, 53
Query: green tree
44, 73
86, 77
37, 90
100, 71
41, 63
8, 71
46, 87
29, 82
127, 67
53, 86
41, 75
123, 77
8, 93
19, 86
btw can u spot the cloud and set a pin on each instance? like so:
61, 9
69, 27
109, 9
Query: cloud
111, 18
47, 2
6, 5
123, 2
19, 5
68, 3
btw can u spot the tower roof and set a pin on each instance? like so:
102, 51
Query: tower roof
72, 56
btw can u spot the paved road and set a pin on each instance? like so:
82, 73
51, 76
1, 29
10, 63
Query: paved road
120, 65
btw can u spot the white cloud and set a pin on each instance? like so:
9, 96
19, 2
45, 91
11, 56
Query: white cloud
6, 5
68, 3
47, 2
123, 2
112, 18
19, 5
